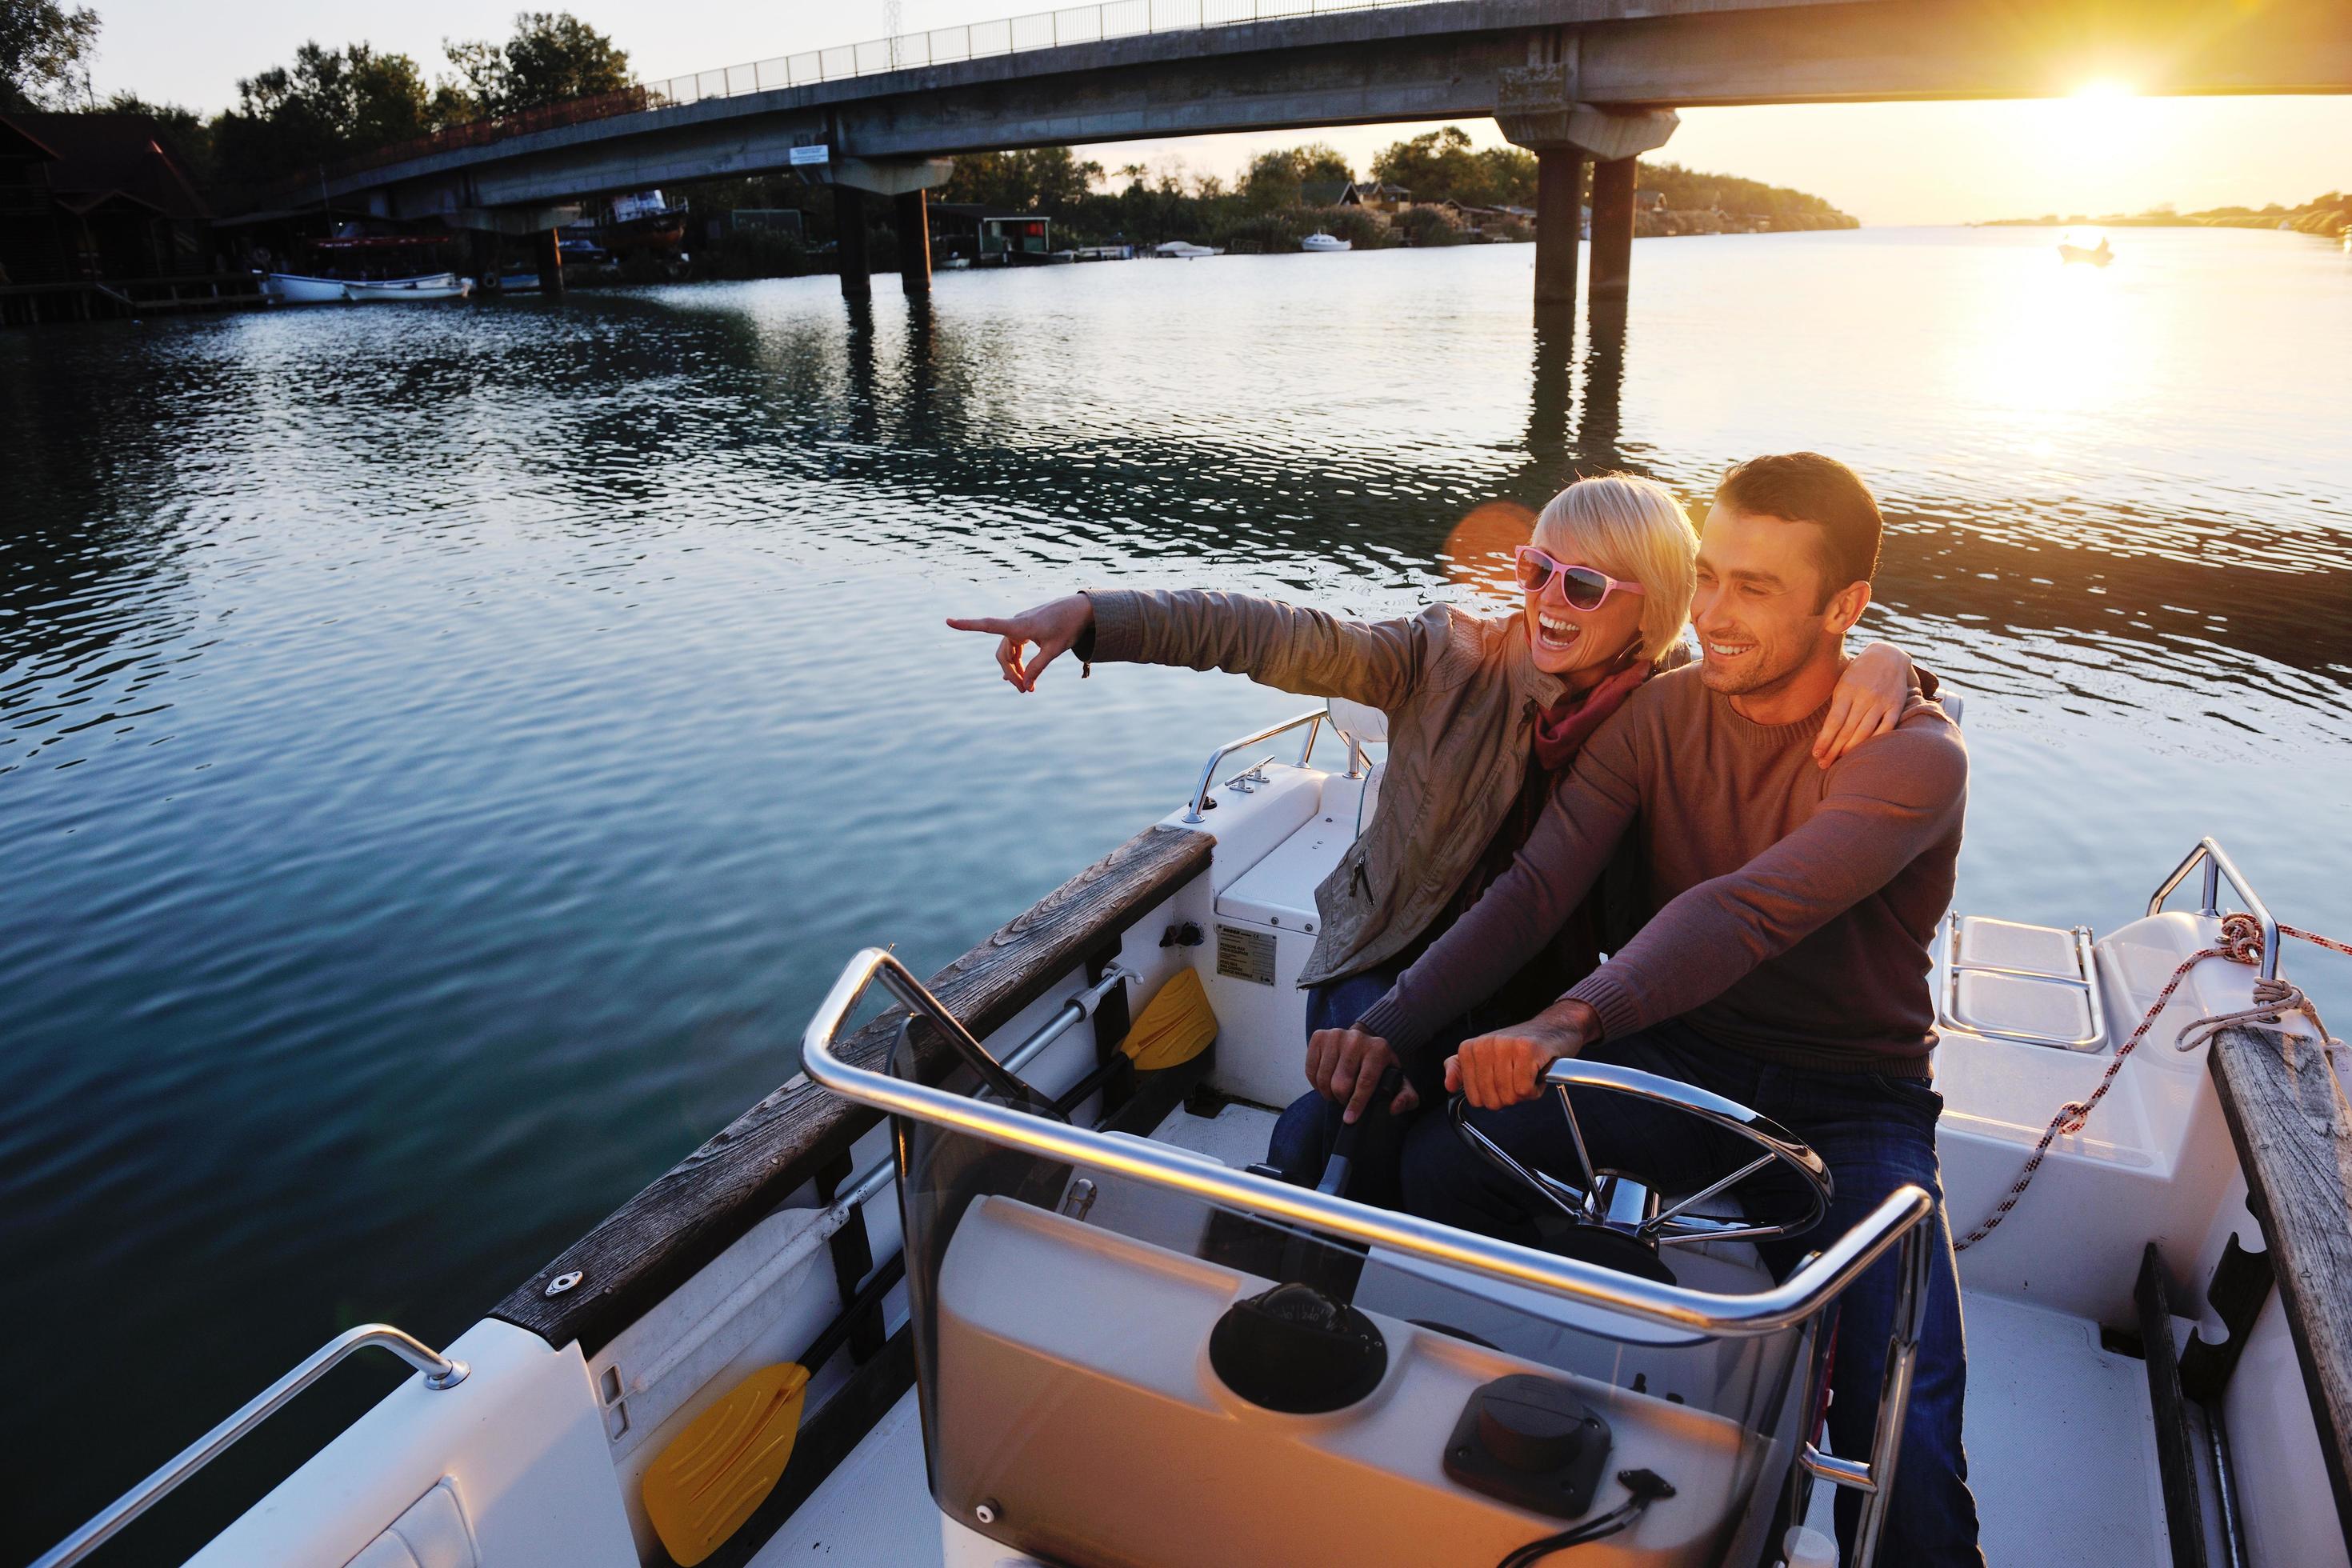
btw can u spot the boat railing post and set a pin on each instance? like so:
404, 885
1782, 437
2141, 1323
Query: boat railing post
441, 1371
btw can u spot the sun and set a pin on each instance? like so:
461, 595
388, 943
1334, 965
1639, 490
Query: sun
2091, 127
2103, 92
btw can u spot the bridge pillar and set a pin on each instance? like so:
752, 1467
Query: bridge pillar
914, 223
1537, 109
1612, 228
849, 242
1560, 223
548, 251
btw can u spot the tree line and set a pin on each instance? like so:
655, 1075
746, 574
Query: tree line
324, 106
1286, 192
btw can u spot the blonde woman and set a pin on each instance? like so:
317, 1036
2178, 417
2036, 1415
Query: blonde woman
1484, 713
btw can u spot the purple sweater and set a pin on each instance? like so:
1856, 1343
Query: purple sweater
1794, 906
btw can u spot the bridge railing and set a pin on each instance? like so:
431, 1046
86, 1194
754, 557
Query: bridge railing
980, 41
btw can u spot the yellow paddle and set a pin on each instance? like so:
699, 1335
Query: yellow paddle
714, 1475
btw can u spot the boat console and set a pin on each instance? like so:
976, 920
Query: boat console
1131, 1355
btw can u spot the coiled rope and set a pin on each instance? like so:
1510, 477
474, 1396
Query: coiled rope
2241, 942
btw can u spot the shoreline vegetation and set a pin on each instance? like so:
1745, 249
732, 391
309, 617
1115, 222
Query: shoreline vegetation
1434, 189
2329, 218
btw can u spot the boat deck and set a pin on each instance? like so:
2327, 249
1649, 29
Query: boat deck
2062, 1449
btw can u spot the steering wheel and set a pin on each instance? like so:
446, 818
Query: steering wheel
1621, 1201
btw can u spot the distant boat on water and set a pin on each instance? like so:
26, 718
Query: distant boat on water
1184, 249
1321, 243
2098, 255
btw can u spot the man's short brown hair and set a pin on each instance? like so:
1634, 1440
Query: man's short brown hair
1805, 487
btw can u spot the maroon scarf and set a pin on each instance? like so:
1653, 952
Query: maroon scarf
1562, 728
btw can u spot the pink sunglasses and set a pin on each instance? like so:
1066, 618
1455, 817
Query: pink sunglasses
1583, 587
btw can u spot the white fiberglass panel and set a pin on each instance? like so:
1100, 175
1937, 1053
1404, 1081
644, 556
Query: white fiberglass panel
518, 1445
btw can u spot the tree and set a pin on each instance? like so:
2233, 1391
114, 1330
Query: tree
328, 105
1433, 165
1440, 164
1276, 178
1041, 179
552, 58
45, 52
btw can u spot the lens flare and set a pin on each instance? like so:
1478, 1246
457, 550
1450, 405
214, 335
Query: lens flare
1478, 550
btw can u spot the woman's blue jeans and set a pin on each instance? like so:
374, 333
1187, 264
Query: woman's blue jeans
1875, 1133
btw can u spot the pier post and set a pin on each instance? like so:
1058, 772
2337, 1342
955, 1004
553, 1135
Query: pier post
913, 218
849, 242
1612, 228
548, 251
1560, 223
1537, 108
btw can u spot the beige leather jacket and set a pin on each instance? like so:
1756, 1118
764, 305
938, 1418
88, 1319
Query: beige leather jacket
1461, 692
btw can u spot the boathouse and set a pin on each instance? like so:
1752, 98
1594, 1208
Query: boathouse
96, 217
988, 235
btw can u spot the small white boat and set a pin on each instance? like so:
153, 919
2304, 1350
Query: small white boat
957, 263
2097, 255
293, 289
1185, 250
1320, 242
433, 286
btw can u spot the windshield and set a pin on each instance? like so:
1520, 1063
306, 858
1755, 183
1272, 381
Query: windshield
1107, 1377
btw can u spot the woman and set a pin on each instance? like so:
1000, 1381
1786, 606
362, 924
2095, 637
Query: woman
1484, 713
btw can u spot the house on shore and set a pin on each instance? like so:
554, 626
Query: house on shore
94, 215
1371, 195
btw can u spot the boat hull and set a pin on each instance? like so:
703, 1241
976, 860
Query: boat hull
296, 288
438, 286
293, 289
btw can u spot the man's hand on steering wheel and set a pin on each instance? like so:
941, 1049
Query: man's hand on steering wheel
1506, 1067
1346, 1066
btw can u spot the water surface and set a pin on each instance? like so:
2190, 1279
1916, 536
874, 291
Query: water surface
445, 752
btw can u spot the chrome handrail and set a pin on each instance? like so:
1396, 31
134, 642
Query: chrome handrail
440, 1371
1896, 1220
2217, 865
1795, 1298
1198, 799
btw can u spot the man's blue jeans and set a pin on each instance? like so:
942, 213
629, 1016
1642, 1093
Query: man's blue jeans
1301, 1144
1876, 1133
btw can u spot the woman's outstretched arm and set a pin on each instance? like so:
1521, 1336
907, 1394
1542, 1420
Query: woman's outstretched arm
1292, 648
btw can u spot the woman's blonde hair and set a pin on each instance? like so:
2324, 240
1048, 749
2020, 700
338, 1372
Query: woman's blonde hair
1634, 529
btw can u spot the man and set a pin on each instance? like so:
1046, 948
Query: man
1786, 967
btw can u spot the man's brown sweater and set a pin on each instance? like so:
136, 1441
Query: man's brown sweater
1794, 906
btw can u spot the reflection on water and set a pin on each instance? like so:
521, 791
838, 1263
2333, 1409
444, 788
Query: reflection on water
445, 752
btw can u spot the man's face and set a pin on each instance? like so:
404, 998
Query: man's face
1759, 611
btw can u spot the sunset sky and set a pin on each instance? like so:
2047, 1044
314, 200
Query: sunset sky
1885, 163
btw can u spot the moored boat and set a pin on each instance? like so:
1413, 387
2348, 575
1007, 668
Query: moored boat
433, 286
294, 289
1323, 243
1029, 1358
1184, 251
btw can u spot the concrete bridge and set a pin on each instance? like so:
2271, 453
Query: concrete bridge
1574, 81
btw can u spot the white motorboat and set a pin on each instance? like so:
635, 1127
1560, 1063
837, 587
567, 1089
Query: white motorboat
1321, 242
995, 1332
433, 286
1184, 251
